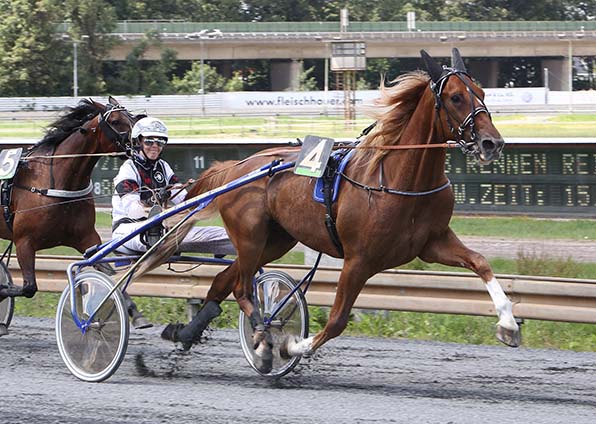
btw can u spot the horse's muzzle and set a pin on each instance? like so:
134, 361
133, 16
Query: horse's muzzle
490, 149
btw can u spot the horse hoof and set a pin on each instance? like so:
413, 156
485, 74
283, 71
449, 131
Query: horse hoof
29, 291
284, 347
140, 323
264, 359
3, 330
509, 337
172, 333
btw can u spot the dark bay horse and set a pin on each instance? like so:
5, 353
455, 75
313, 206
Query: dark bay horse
51, 203
378, 228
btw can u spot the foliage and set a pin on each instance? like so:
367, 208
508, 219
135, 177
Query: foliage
191, 82
31, 63
147, 77
33, 60
91, 21
236, 83
529, 263
193, 10
305, 81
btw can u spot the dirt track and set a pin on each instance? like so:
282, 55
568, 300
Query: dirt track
350, 380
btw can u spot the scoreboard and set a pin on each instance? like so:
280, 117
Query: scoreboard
552, 179
557, 179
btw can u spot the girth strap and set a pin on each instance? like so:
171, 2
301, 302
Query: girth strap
327, 197
50, 192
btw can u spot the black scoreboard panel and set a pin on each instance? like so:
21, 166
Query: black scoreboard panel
550, 179
540, 179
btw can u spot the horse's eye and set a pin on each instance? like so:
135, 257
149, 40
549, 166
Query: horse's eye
456, 98
115, 122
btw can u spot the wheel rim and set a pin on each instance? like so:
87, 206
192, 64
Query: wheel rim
6, 305
291, 321
95, 354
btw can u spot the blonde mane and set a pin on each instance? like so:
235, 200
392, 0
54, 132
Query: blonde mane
392, 112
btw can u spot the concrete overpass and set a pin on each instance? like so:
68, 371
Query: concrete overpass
555, 43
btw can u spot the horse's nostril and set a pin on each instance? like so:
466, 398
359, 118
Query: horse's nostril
489, 145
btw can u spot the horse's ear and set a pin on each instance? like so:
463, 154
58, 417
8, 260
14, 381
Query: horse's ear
113, 101
457, 62
434, 69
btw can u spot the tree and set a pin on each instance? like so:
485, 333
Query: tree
236, 83
285, 10
31, 63
90, 23
305, 81
193, 10
139, 76
191, 82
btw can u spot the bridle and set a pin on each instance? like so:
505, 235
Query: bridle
120, 139
468, 147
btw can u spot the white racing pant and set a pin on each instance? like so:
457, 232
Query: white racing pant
199, 239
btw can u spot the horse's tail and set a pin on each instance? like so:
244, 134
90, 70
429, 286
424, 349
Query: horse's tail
213, 177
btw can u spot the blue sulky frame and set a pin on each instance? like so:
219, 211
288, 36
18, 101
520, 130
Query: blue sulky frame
284, 307
99, 255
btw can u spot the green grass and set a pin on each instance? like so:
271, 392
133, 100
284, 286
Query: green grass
521, 227
561, 125
517, 227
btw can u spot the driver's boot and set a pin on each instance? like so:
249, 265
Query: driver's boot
191, 333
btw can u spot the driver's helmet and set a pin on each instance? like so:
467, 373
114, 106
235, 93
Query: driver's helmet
149, 127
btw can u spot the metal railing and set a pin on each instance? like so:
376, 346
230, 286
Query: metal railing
136, 27
542, 298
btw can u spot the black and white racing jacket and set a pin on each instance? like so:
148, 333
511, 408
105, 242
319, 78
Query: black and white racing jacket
135, 183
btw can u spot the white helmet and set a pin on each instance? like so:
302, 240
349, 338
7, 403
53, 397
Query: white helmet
149, 127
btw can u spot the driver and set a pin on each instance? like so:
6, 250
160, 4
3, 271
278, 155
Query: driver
146, 180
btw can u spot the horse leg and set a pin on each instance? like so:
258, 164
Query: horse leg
26, 259
449, 250
190, 334
351, 280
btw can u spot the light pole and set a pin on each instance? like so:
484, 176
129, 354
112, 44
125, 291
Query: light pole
202, 81
75, 66
203, 35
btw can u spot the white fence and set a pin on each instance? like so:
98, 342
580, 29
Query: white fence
300, 102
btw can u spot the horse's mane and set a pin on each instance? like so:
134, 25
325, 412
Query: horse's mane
392, 112
69, 122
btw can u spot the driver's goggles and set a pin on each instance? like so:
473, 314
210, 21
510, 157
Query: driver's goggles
151, 141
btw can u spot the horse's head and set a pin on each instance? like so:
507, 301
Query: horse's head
114, 124
460, 104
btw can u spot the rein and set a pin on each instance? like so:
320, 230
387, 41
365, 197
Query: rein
74, 155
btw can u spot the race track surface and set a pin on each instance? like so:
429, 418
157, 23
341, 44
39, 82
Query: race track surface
350, 380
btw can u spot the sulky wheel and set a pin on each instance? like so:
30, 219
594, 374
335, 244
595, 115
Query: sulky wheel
292, 320
95, 354
7, 304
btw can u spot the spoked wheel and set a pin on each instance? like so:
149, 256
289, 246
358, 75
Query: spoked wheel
272, 287
95, 354
7, 304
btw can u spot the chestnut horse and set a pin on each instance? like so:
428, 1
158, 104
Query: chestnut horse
393, 206
51, 203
